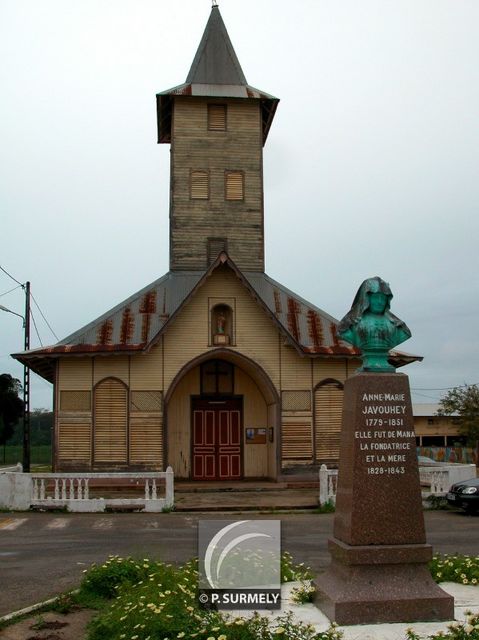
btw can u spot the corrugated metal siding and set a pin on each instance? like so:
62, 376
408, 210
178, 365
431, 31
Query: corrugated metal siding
328, 406
330, 368
255, 414
295, 371
116, 366
197, 148
75, 373
146, 369
110, 422
74, 442
256, 336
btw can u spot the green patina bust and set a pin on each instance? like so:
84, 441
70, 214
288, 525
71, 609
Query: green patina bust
372, 327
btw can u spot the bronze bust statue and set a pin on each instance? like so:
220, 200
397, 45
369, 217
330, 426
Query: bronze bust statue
372, 327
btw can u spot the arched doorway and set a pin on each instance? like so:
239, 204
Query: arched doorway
222, 419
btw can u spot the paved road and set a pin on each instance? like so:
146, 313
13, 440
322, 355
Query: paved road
42, 554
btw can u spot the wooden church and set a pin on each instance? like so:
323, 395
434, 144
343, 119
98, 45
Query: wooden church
215, 368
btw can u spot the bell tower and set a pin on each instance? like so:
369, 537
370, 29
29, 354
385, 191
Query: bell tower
217, 126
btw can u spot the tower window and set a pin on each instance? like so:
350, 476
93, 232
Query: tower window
199, 185
217, 117
234, 185
214, 247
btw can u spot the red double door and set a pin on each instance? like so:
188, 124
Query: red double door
217, 439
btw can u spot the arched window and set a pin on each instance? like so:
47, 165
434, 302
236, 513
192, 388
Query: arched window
328, 408
110, 422
221, 324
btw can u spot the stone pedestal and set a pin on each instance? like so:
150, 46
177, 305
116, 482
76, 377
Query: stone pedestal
379, 553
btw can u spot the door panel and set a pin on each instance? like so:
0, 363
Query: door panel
217, 441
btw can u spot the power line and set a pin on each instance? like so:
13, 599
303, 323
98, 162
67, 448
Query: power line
7, 292
457, 386
10, 276
43, 316
423, 395
36, 329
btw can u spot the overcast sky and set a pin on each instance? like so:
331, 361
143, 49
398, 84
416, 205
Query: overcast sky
371, 164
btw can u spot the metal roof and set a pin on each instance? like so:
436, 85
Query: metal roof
214, 73
215, 61
428, 410
136, 323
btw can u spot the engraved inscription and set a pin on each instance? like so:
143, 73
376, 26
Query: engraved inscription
385, 439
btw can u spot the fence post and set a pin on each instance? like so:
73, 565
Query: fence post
169, 488
323, 484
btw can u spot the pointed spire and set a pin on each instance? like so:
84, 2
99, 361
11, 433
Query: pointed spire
215, 73
215, 61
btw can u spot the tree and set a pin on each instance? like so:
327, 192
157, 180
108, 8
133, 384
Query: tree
11, 406
464, 402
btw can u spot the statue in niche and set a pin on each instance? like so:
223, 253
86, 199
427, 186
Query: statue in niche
372, 327
221, 325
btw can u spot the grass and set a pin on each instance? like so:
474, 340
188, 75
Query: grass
152, 600
39, 454
146, 600
455, 568
327, 507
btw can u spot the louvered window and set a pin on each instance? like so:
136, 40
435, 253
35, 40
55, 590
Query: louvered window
217, 117
214, 247
296, 440
199, 185
111, 417
234, 185
74, 442
328, 407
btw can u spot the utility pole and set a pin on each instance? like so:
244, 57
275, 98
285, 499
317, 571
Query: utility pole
26, 386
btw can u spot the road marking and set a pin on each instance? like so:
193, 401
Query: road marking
58, 523
104, 523
10, 524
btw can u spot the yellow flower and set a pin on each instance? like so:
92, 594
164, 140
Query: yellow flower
222, 637
279, 631
181, 634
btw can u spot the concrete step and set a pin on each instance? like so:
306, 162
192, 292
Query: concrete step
281, 499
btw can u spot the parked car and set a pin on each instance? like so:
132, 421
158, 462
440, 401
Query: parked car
465, 494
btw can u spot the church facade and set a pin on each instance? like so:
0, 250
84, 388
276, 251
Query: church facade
215, 368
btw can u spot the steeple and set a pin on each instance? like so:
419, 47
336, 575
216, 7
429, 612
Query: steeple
215, 72
215, 61
217, 125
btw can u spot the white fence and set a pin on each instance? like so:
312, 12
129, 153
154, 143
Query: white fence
20, 491
435, 480
18, 468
